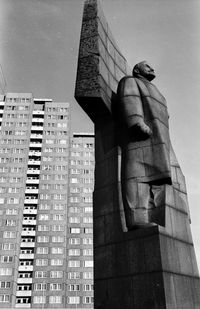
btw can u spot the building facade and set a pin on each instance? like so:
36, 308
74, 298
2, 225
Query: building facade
37, 250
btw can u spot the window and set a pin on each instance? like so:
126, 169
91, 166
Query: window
88, 263
74, 180
6, 259
58, 207
87, 275
73, 287
74, 230
87, 220
42, 250
74, 210
88, 209
8, 246
56, 262
58, 217
74, 241
56, 274
88, 287
39, 299
87, 241
43, 228
88, 300
44, 207
44, 217
10, 222
73, 275
5, 284
74, 199
57, 250
87, 252
74, 263
40, 286
40, 274
41, 262
43, 239
2, 200
73, 300
55, 299
12, 200
9, 234
4, 298
74, 252
57, 239
88, 230
57, 228
74, 220
12, 211
55, 286
5, 271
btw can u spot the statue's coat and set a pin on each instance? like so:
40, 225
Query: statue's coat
145, 159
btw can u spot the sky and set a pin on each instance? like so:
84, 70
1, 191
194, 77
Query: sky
39, 41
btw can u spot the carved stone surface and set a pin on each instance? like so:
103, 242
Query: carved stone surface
153, 267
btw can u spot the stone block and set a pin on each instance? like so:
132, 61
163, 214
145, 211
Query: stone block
89, 46
88, 67
104, 262
170, 295
90, 9
99, 231
170, 262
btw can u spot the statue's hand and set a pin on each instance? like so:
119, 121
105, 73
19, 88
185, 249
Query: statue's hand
142, 131
145, 129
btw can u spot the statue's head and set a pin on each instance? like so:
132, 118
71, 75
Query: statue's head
145, 70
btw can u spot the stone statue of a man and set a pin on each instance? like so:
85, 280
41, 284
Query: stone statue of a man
145, 144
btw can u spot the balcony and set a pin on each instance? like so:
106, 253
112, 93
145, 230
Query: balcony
27, 244
35, 145
34, 162
28, 233
34, 153
33, 171
32, 181
24, 293
30, 201
24, 280
29, 222
38, 112
22, 306
31, 190
36, 135
30, 211
27, 256
39, 119
25, 268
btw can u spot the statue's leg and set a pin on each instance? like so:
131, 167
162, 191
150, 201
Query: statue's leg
157, 213
135, 197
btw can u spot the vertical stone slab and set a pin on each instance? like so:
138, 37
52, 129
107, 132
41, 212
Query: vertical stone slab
154, 267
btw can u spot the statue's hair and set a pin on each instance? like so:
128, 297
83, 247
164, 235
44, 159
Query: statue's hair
136, 68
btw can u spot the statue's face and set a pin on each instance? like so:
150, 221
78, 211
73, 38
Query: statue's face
146, 71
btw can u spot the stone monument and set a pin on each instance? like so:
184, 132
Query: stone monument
143, 249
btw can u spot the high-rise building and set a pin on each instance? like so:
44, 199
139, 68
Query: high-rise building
37, 243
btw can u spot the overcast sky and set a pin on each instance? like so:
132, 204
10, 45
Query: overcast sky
39, 42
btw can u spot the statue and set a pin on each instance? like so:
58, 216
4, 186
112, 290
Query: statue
145, 145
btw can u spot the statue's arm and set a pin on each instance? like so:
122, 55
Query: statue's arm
131, 107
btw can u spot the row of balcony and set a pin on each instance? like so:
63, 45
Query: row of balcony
29, 212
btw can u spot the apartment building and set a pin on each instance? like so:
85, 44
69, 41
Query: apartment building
36, 198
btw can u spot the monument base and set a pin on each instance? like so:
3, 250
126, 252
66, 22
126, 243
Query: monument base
146, 269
